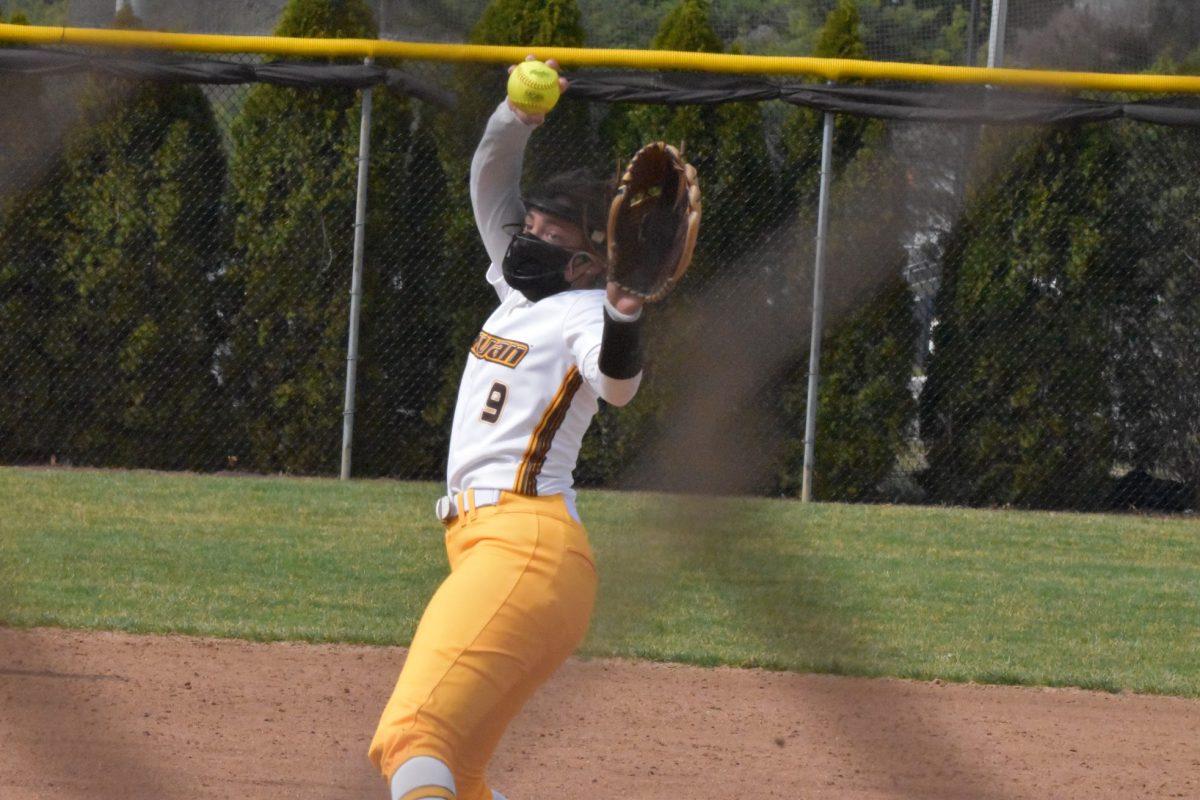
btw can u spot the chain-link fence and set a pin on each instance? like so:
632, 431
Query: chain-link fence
1100, 35
1011, 312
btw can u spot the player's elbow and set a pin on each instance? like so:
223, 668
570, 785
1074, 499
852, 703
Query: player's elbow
619, 391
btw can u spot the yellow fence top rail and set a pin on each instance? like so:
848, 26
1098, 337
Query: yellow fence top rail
834, 69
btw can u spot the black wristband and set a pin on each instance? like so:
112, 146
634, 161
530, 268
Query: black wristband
621, 348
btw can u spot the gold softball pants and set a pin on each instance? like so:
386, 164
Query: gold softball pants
516, 603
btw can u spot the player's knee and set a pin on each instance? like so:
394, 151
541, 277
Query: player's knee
423, 778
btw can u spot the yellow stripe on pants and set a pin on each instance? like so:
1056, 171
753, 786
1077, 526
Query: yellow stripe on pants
516, 603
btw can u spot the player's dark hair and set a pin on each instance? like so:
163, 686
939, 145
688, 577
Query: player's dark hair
577, 196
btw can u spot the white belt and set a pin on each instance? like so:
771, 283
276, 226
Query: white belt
451, 505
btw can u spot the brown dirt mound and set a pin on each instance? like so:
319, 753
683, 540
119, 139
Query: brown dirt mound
102, 715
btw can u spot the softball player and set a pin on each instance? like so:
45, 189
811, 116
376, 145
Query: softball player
523, 581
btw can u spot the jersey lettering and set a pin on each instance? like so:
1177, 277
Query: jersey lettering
505, 352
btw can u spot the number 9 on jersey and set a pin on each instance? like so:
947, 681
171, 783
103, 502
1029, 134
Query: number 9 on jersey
495, 403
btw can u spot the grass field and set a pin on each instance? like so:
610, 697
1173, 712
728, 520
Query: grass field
1104, 602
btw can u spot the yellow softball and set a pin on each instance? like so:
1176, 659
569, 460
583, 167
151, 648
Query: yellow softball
533, 87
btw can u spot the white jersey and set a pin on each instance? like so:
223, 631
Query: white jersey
523, 404
532, 379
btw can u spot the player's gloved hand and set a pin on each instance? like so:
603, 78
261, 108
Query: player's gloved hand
653, 223
537, 119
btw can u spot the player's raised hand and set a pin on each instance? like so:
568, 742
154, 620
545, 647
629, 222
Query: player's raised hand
531, 91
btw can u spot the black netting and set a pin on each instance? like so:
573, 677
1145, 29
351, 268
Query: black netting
1010, 312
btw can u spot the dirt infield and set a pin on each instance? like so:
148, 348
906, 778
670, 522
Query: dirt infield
117, 716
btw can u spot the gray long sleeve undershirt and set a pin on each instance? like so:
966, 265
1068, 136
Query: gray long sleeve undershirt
496, 183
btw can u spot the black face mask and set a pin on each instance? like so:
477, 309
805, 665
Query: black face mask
535, 268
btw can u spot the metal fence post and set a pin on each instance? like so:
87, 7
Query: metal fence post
360, 232
360, 227
996, 36
818, 310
